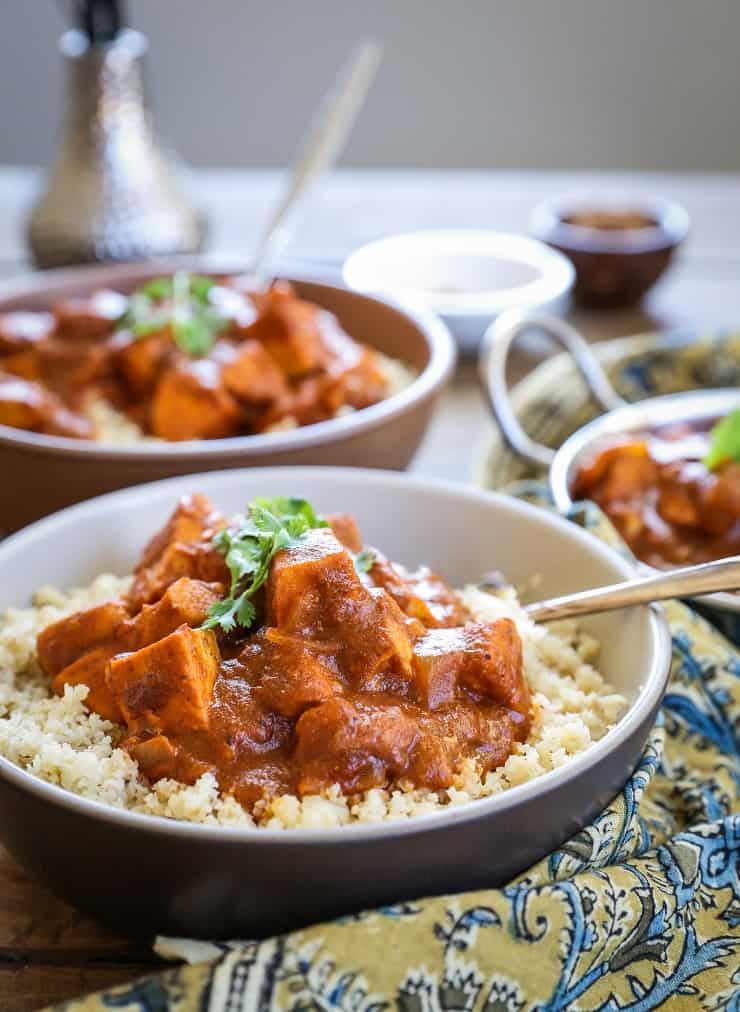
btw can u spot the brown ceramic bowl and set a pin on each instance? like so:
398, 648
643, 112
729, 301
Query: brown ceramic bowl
619, 247
41, 474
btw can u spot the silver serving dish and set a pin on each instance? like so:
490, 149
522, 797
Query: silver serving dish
619, 418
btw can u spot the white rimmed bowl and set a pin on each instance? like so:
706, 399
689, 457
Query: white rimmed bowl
41, 474
145, 874
467, 276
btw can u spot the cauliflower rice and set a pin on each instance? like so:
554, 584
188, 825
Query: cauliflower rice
57, 739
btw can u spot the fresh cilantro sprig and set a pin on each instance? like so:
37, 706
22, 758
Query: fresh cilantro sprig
724, 446
365, 560
270, 526
181, 302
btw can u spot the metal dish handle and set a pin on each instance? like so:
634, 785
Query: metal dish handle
492, 359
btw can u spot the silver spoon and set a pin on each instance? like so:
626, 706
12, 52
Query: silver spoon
321, 148
692, 581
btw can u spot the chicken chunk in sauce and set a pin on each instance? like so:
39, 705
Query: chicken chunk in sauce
346, 674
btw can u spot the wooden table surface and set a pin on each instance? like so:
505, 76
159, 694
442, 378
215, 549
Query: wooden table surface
48, 952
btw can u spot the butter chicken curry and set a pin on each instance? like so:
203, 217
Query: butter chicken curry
673, 494
279, 654
186, 357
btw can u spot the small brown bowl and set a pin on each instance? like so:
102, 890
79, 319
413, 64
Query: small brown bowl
41, 474
619, 248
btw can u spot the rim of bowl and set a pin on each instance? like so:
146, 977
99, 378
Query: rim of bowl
632, 417
442, 358
556, 273
648, 697
671, 228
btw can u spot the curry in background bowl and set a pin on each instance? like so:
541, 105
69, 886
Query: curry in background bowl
185, 357
178, 378
664, 468
672, 493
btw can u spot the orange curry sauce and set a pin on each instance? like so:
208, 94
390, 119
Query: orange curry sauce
349, 678
276, 361
670, 510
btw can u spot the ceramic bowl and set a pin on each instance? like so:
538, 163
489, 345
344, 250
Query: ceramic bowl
45, 473
614, 267
467, 277
144, 874
551, 420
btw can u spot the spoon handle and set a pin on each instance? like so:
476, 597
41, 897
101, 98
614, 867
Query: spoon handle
321, 148
692, 581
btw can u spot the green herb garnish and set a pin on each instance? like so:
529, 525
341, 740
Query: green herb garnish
270, 526
365, 560
159, 289
182, 303
724, 447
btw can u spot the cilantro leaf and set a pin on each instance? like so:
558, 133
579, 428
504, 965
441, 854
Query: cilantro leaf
242, 558
245, 613
182, 303
159, 289
365, 560
222, 614
195, 324
200, 287
265, 520
197, 334
270, 526
156, 290
724, 447
292, 506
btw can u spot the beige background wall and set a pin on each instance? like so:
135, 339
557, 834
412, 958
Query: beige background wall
476, 83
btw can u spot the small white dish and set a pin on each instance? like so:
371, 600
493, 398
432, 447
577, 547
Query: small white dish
468, 277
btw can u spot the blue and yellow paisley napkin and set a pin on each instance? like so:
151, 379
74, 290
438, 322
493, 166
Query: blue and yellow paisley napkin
640, 910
